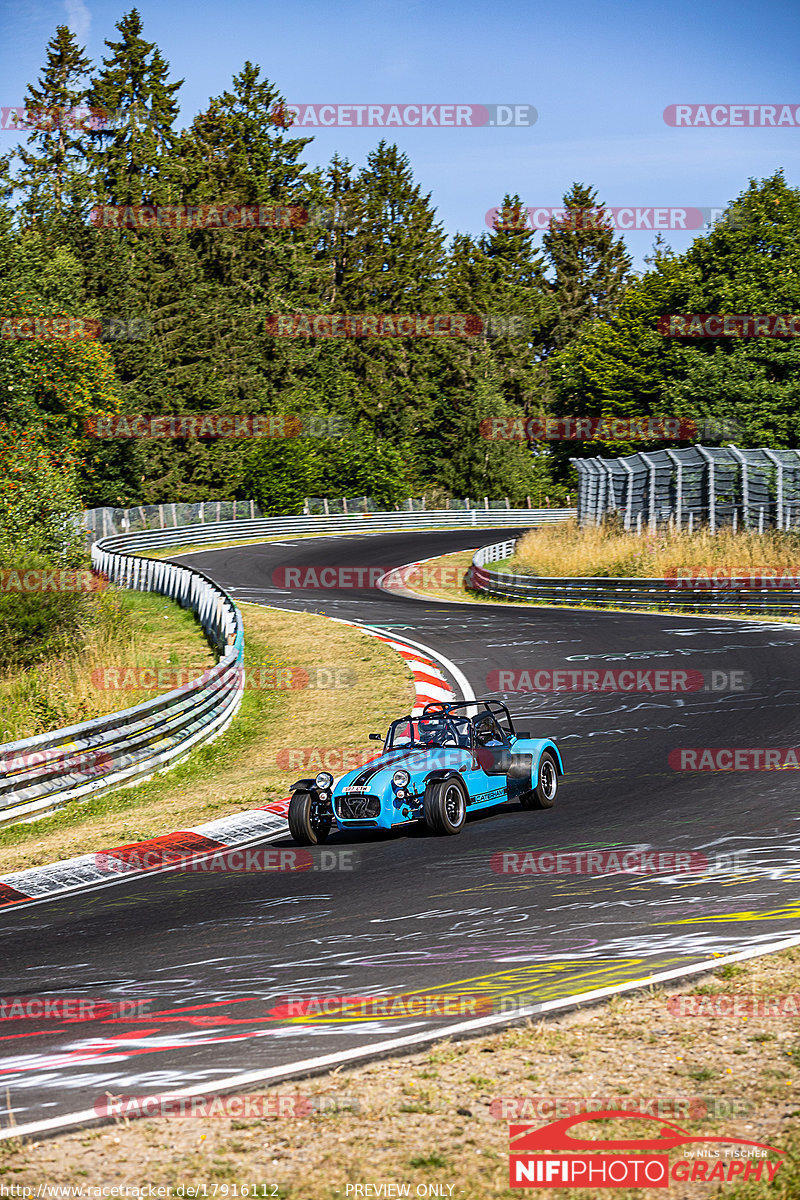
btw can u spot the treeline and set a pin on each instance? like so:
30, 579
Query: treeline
407, 411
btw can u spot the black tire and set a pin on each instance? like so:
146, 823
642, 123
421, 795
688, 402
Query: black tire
446, 805
309, 822
546, 790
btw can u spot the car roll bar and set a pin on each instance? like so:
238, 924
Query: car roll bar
446, 707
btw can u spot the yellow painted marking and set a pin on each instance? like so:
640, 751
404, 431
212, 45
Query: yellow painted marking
776, 914
537, 982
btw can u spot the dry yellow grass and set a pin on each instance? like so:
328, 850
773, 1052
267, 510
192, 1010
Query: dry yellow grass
567, 549
443, 579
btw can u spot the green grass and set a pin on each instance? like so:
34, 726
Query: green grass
239, 770
122, 629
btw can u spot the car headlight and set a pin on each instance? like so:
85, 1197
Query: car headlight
400, 779
324, 780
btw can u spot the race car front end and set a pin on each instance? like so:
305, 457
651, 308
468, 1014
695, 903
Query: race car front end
377, 796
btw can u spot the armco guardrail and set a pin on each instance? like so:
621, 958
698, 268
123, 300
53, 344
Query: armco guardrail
622, 593
264, 527
41, 774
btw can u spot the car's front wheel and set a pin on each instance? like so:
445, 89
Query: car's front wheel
309, 819
446, 805
546, 790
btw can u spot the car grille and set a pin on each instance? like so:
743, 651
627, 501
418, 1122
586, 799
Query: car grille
358, 808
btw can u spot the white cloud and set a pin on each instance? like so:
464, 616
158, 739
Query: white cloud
79, 19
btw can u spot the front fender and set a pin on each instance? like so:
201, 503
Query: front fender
557, 754
310, 785
536, 747
441, 773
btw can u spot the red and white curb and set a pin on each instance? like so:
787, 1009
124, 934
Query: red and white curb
171, 851
152, 857
397, 580
430, 683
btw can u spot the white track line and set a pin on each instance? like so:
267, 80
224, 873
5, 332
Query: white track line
410, 1042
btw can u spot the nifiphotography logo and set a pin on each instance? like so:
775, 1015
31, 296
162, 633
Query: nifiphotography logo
551, 1156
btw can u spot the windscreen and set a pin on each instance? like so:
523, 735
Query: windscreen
419, 732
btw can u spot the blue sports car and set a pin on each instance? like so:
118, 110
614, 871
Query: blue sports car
454, 758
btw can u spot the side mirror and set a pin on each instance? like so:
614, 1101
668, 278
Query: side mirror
376, 737
522, 733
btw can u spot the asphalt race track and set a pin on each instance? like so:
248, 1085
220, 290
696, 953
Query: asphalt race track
211, 955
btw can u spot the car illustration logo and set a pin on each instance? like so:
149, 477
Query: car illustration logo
551, 1156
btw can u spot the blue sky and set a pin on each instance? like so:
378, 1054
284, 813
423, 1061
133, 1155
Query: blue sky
599, 75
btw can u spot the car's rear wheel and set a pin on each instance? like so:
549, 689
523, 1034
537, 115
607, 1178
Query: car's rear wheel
546, 790
446, 805
309, 819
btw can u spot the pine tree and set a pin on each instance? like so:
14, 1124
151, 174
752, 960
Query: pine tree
235, 153
500, 276
516, 266
52, 163
336, 221
391, 260
208, 290
397, 254
515, 275
134, 158
591, 265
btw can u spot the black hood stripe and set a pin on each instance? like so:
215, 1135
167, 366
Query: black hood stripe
379, 764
